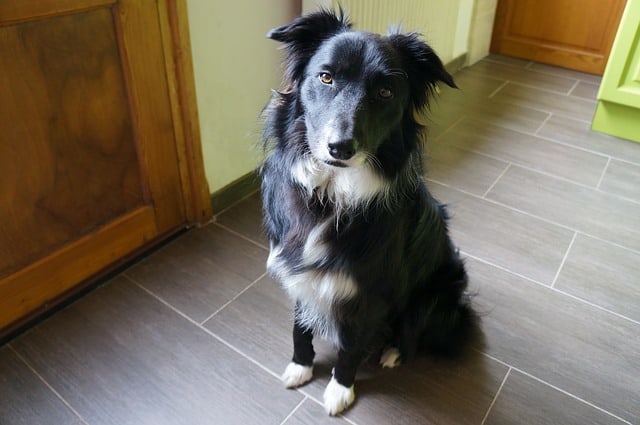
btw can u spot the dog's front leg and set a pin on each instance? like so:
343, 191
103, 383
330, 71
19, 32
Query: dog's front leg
339, 394
300, 370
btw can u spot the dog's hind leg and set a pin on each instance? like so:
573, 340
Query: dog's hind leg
300, 370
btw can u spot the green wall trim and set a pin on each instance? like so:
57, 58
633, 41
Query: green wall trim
617, 120
235, 192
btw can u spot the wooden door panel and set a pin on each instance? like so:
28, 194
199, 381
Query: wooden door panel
90, 147
576, 34
67, 149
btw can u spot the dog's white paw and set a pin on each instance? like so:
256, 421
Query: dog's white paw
296, 374
337, 397
390, 358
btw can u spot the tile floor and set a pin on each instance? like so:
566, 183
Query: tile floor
546, 212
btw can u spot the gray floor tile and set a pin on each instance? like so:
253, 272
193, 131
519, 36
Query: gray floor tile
312, 413
201, 271
462, 168
586, 90
527, 150
246, 219
564, 72
504, 237
258, 323
508, 60
604, 274
562, 341
550, 82
622, 178
525, 401
579, 133
428, 392
556, 103
119, 356
25, 399
581, 208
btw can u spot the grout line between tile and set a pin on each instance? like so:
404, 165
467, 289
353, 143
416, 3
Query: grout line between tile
240, 235
500, 87
604, 172
542, 381
495, 397
49, 386
544, 122
315, 400
558, 291
538, 217
305, 398
496, 180
207, 331
232, 299
456, 122
573, 88
564, 260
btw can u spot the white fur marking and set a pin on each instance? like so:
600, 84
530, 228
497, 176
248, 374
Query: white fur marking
337, 397
390, 358
314, 249
317, 292
347, 187
296, 375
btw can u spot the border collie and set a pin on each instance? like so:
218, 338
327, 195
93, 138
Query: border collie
356, 239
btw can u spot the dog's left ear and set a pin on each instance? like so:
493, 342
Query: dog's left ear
424, 68
303, 37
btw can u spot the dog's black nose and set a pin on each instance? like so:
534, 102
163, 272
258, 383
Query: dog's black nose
344, 149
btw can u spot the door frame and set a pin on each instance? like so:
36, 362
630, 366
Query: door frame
174, 26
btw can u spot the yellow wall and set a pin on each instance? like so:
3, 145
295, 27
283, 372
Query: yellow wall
235, 68
235, 65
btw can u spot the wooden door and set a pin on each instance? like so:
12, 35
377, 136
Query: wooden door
575, 34
90, 147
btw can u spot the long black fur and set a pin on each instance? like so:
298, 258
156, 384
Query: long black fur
411, 283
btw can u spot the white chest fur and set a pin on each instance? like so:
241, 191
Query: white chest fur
347, 188
315, 289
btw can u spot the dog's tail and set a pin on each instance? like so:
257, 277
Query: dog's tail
440, 319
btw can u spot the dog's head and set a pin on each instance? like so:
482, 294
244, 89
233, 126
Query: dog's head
357, 90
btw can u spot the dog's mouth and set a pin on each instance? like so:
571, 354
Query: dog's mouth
334, 163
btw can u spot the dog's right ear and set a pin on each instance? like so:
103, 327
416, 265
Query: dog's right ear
304, 35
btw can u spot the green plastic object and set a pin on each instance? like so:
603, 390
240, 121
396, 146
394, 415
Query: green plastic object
618, 111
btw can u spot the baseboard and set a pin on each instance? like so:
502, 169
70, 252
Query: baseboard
455, 64
234, 192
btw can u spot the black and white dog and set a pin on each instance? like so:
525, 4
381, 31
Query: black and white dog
356, 239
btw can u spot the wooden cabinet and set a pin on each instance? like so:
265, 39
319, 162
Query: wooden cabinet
618, 111
99, 148
574, 34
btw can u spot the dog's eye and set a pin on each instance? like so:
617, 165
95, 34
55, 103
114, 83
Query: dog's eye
385, 93
326, 78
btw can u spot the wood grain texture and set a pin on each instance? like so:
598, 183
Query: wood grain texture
32, 289
66, 150
174, 27
575, 34
98, 121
